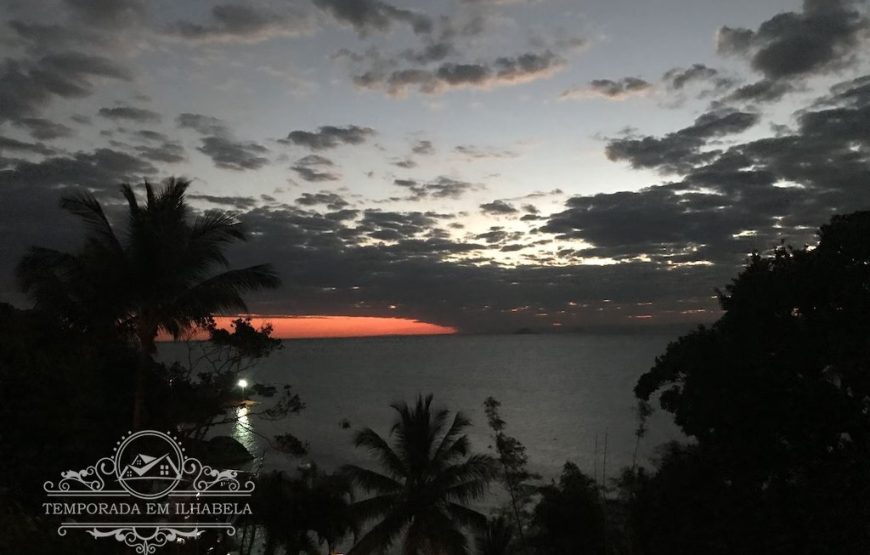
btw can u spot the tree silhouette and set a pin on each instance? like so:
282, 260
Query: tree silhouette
429, 477
496, 538
158, 275
296, 513
569, 518
513, 472
776, 394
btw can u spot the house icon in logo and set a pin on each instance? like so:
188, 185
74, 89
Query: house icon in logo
146, 467
149, 464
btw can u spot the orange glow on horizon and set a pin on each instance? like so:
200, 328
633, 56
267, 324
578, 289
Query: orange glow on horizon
308, 327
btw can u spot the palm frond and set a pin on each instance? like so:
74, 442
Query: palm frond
223, 292
465, 516
87, 208
369, 480
378, 446
381, 536
375, 507
452, 444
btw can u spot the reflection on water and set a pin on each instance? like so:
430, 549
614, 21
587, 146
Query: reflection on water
242, 431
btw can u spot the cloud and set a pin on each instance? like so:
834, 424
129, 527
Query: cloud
764, 90
131, 113
27, 87
108, 13
231, 154
433, 52
423, 148
331, 200
677, 78
315, 160
607, 88
205, 125
168, 152
498, 207
330, 136
478, 153
235, 202
748, 196
245, 23
14, 145
314, 175
681, 149
441, 187
98, 170
503, 71
368, 16
219, 143
44, 129
821, 38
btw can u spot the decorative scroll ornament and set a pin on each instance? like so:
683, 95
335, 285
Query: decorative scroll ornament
148, 469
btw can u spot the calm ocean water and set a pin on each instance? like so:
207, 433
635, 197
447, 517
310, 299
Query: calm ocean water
558, 393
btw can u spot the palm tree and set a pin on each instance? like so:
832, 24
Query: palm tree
429, 477
159, 275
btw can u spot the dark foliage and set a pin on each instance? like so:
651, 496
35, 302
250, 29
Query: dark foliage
776, 395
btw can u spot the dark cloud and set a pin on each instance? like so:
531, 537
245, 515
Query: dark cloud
367, 16
396, 226
332, 201
234, 155
219, 143
821, 38
204, 125
131, 113
607, 88
310, 168
43, 129
477, 152
39, 37
315, 160
498, 207
236, 202
314, 175
424, 148
108, 13
765, 90
27, 87
15, 146
681, 149
749, 196
244, 22
500, 72
167, 152
441, 187
330, 136
434, 52
98, 170
150, 135
677, 78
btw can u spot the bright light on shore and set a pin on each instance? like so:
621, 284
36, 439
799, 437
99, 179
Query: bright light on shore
243, 383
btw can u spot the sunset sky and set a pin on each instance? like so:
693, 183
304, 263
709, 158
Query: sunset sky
482, 165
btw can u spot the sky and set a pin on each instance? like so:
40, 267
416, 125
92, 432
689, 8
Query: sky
469, 165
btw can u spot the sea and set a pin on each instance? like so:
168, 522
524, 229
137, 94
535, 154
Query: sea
565, 397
